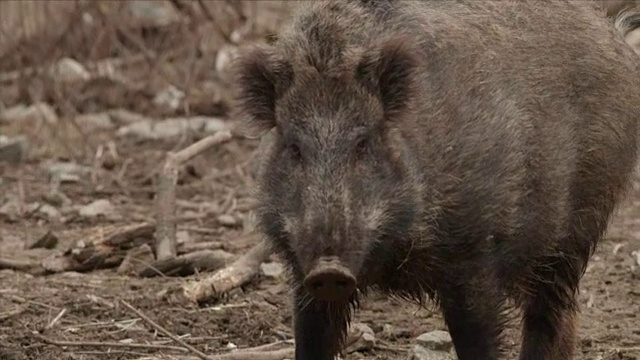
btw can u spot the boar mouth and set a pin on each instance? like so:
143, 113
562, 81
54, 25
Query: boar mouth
330, 280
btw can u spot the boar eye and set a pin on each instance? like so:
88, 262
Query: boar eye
294, 151
361, 146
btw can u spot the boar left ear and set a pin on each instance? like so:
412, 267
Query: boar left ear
389, 71
261, 77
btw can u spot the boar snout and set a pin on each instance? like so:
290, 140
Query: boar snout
330, 280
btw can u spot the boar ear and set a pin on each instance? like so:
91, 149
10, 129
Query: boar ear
388, 70
261, 77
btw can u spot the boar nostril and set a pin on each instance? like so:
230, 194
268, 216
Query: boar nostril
330, 281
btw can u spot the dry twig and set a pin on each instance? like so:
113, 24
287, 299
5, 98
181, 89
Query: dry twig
166, 199
96, 344
159, 328
238, 273
56, 319
263, 352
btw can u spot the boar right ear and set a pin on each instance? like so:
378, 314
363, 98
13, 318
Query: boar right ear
388, 70
261, 78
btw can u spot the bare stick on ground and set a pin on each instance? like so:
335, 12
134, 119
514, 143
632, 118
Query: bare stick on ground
281, 354
21, 265
95, 344
166, 199
236, 274
187, 264
159, 328
262, 352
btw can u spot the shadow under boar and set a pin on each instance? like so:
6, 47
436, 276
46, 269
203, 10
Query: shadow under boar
467, 152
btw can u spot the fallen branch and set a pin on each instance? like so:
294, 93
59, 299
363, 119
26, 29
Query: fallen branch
96, 344
16, 265
237, 274
30, 267
197, 261
189, 247
166, 199
104, 247
129, 249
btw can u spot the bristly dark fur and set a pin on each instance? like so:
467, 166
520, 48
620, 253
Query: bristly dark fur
452, 151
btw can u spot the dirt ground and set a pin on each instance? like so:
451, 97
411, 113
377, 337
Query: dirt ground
257, 314
80, 315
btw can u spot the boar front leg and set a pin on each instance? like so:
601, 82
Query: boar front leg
473, 317
549, 313
318, 326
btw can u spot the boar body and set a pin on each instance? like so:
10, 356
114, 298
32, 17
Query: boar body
470, 152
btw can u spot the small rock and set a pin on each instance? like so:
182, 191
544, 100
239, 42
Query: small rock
57, 198
69, 70
388, 330
391, 332
227, 220
366, 342
10, 209
171, 97
272, 270
153, 13
420, 353
97, 208
31, 208
88, 18
50, 212
34, 114
97, 121
435, 340
13, 150
46, 241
